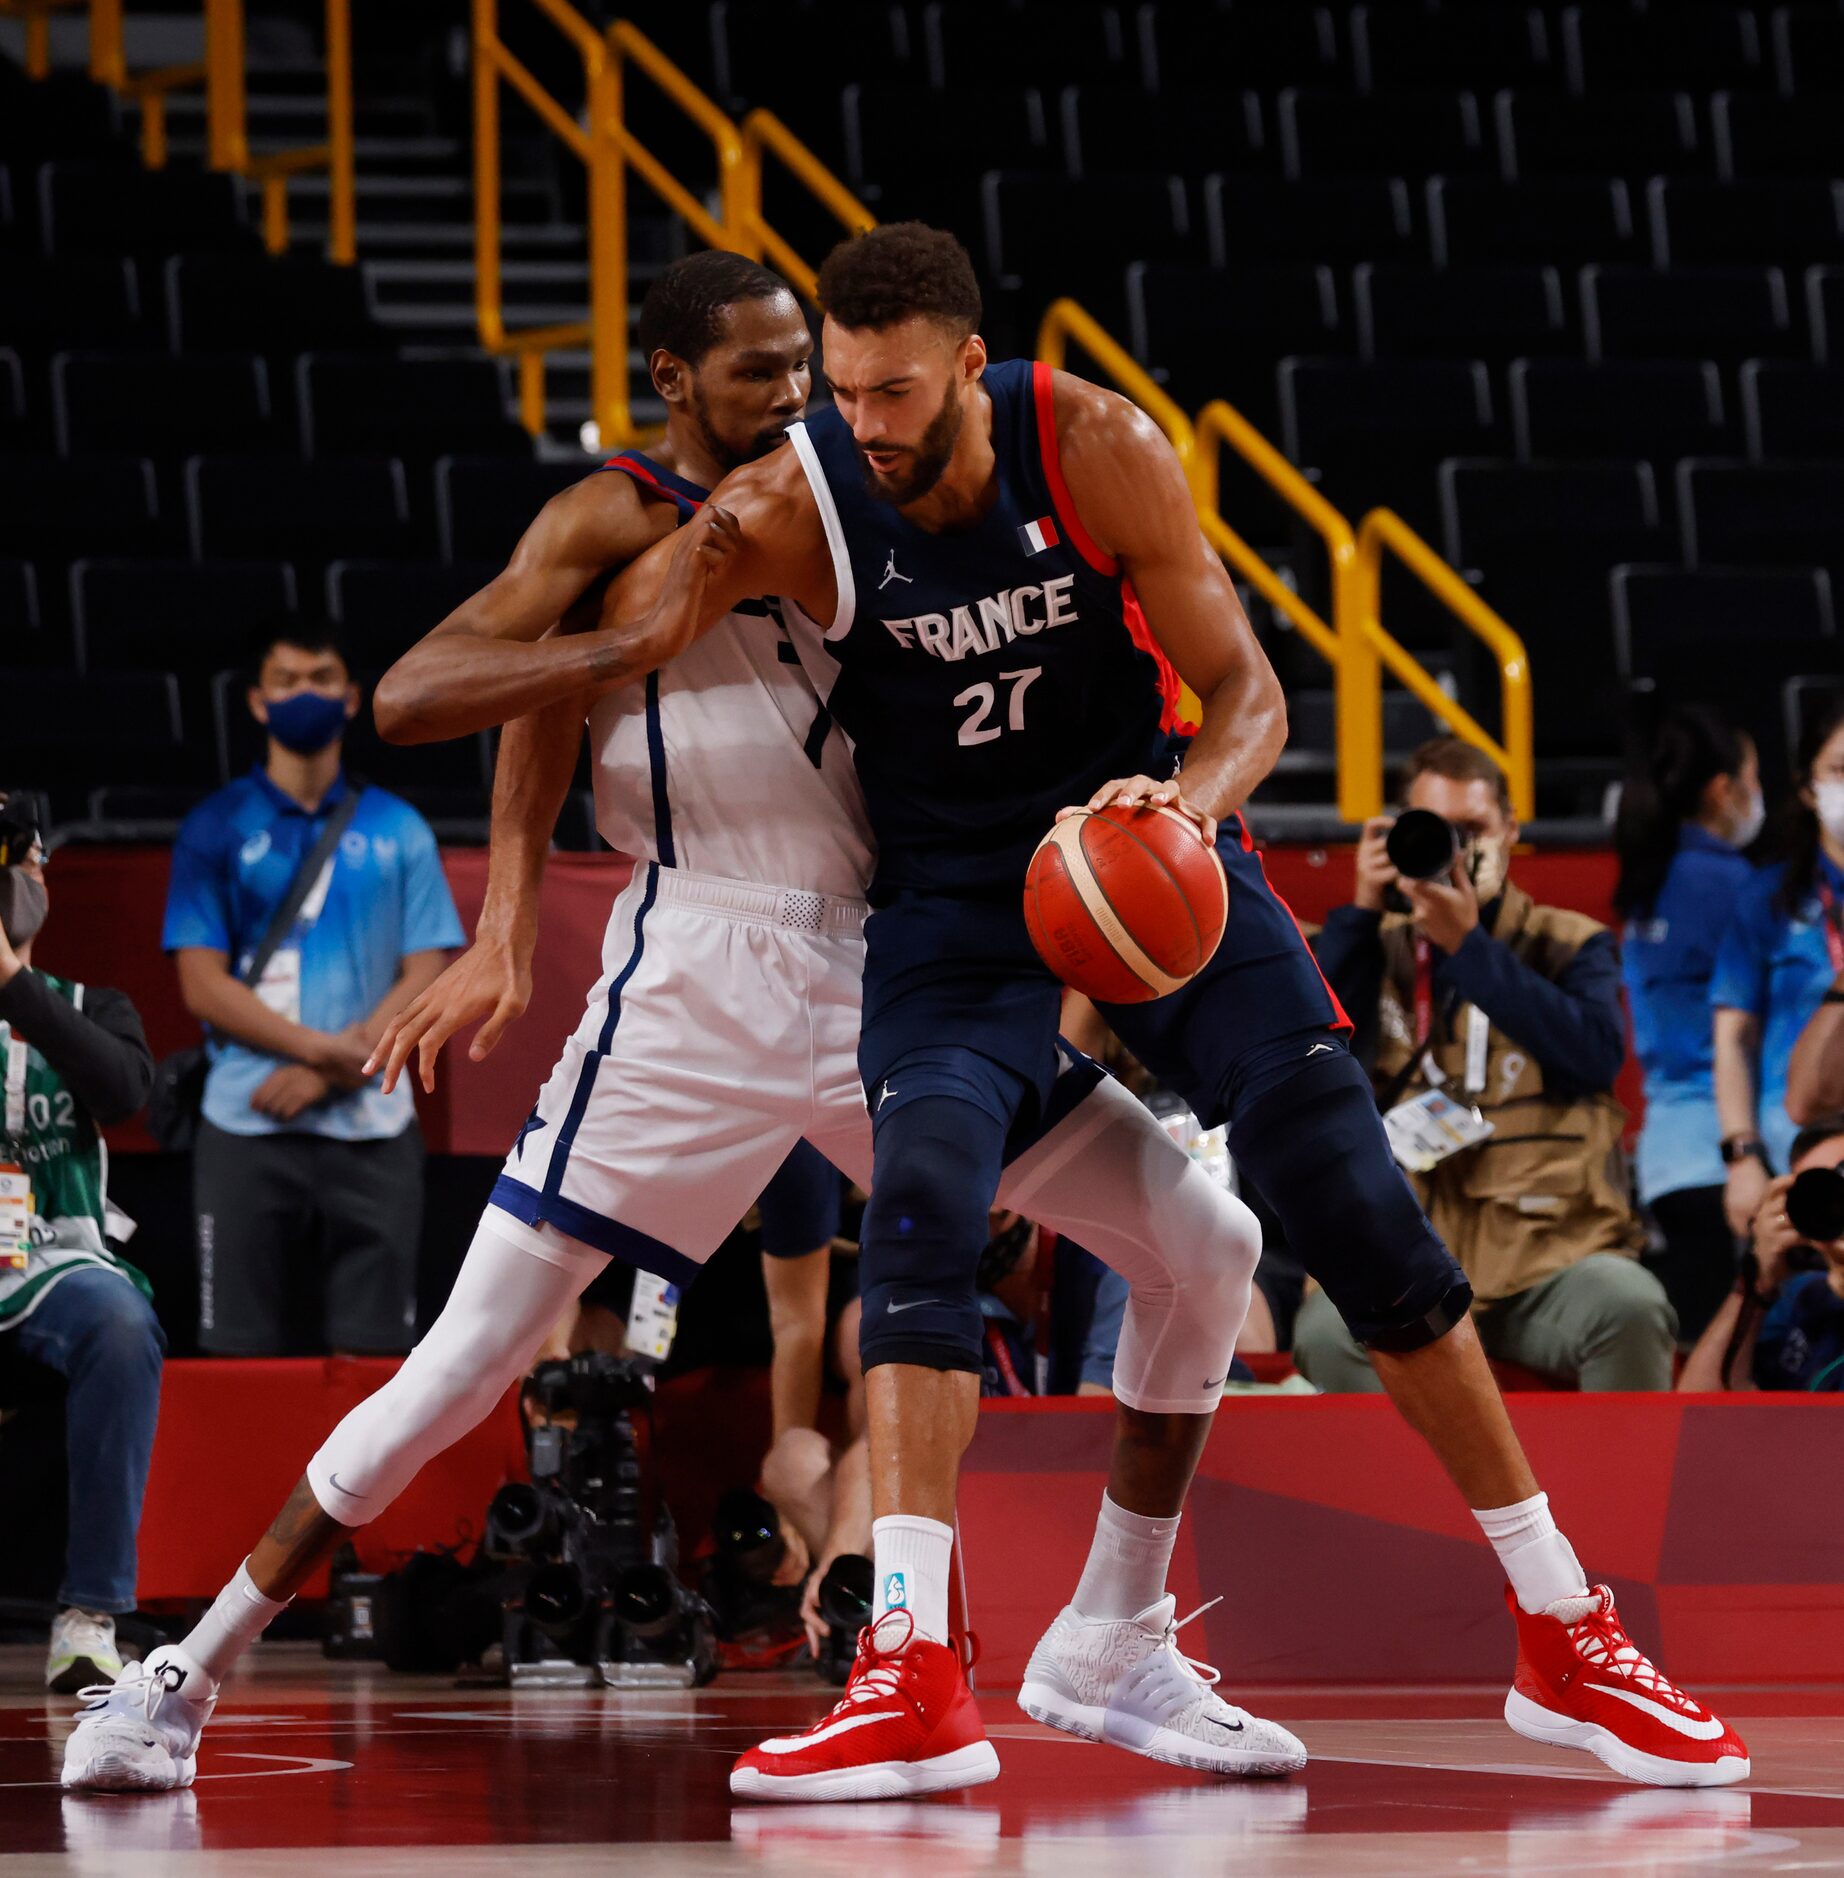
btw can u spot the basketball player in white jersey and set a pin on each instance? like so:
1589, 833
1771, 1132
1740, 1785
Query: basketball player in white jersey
724, 1027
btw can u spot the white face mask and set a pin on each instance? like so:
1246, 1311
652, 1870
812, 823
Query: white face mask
1830, 796
1749, 826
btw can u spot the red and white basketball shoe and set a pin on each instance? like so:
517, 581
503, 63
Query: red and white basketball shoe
1583, 1683
906, 1724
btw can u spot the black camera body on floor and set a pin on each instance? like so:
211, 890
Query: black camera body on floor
591, 1592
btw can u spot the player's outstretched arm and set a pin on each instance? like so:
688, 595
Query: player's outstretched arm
1130, 492
489, 661
759, 533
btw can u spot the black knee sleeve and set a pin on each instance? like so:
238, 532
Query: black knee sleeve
1315, 1147
937, 1169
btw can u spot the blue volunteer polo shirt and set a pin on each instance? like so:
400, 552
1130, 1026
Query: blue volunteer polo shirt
1779, 968
1668, 959
236, 855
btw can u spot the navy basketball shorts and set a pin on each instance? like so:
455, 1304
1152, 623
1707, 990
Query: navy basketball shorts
957, 1002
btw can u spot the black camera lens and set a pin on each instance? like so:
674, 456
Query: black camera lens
1421, 845
845, 1593
645, 1600
748, 1533
555, 1599
1815, 1204
516, 1514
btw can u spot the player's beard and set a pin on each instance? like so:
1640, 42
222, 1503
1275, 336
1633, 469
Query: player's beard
729, 455
929, 458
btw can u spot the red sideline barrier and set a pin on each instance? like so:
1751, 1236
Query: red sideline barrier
1343, 1554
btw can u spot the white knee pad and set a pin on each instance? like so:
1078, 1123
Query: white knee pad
512, 1286
1114, 1181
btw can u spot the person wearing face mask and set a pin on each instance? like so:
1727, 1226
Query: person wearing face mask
1494, 1032
1686, 815
307, 1176
1781, 956
74, 1057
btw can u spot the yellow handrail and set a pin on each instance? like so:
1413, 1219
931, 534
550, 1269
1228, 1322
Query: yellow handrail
36, 16
1067, 319
764, 133
1513, 750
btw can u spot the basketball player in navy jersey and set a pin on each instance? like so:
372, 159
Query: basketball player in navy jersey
988, 568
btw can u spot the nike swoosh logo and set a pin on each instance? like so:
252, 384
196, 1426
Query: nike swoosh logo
792, 1744
893, 1307
1706, 1730
1235, 1728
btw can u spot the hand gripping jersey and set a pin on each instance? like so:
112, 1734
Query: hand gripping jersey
725, 763
988, 677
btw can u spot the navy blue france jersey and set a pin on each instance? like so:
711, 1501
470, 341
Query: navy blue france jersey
986, 677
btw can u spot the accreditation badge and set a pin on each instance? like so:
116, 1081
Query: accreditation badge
15, 1218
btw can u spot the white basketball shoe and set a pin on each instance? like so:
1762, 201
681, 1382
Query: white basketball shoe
1125, 1681
140, 1733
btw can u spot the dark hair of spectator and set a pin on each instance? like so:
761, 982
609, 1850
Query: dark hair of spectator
1692, 746
1815, 1135
684, 308
1458, 761
303, 635
1798, 833
897, 271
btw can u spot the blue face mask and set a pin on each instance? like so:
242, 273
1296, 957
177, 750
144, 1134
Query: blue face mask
307, 721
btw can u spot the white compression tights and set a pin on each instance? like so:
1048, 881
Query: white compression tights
513, 1285
1114, 1181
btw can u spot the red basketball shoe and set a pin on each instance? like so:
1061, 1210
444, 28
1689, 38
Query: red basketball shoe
1582, 1683
907, 1723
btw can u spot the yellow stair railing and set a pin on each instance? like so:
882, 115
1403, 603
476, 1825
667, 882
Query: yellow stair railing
765, 135
221, 73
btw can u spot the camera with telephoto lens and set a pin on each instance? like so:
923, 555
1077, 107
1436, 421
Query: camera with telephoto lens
592, 1591
845, 1603
758, 1621
1815, 1204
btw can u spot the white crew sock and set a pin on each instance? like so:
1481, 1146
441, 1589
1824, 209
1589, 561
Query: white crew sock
913, 1558
1126, 1564
240, 1615
1537, 1559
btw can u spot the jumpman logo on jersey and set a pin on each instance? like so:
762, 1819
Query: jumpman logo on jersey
891, 574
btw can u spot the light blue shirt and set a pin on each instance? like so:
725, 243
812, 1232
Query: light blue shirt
387, 897
1778, 968
1668, 958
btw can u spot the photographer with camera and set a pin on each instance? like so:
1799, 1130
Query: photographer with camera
1494, 1032
1782, 1327
74, 1056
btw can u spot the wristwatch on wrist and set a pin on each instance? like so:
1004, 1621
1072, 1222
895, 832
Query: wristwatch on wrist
1741, 1148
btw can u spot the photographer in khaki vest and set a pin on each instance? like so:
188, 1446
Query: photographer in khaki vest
1494, 1031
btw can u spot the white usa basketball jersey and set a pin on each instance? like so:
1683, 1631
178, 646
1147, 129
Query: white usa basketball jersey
726, 763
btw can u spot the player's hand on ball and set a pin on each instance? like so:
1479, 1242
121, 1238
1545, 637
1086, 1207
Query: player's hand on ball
487, 981
1136, 791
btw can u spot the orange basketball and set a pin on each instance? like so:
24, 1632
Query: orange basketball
1125, 904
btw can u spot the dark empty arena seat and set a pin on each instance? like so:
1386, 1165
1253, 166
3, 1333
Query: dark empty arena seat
1638, 134
1403, 133
1667, 616
795, 65
1614, 48
1216, 332
1049, 39
384, 607
355, 405
115, 209
484, 504
1374, 433
50, 302
19, 612
1113, 133
311, 513
1564, 220
1364, 218
1808, 48
1825, 313
274, 303
141, 615
1663, 409
54, 511
1767, 136
1721, 313
1783, 220
906, 155
1543, 538
83, 731
159, 405
1792, 409
1491, 313
1183, 45
1395, 48
1765, 515
1040, 234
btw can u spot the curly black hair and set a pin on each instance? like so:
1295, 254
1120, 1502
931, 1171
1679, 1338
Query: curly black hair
897, 271
683, 310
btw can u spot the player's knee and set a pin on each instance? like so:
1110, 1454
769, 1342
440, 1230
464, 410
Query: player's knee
1316, 1149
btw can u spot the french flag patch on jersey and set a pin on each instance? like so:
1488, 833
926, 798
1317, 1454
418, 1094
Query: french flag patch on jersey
1039, 536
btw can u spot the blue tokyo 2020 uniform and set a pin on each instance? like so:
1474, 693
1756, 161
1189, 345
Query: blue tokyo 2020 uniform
986, 678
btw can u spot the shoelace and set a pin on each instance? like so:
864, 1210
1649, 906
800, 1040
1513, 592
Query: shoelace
1206, 1673
96, 1695
1601, 1640
876, 1674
